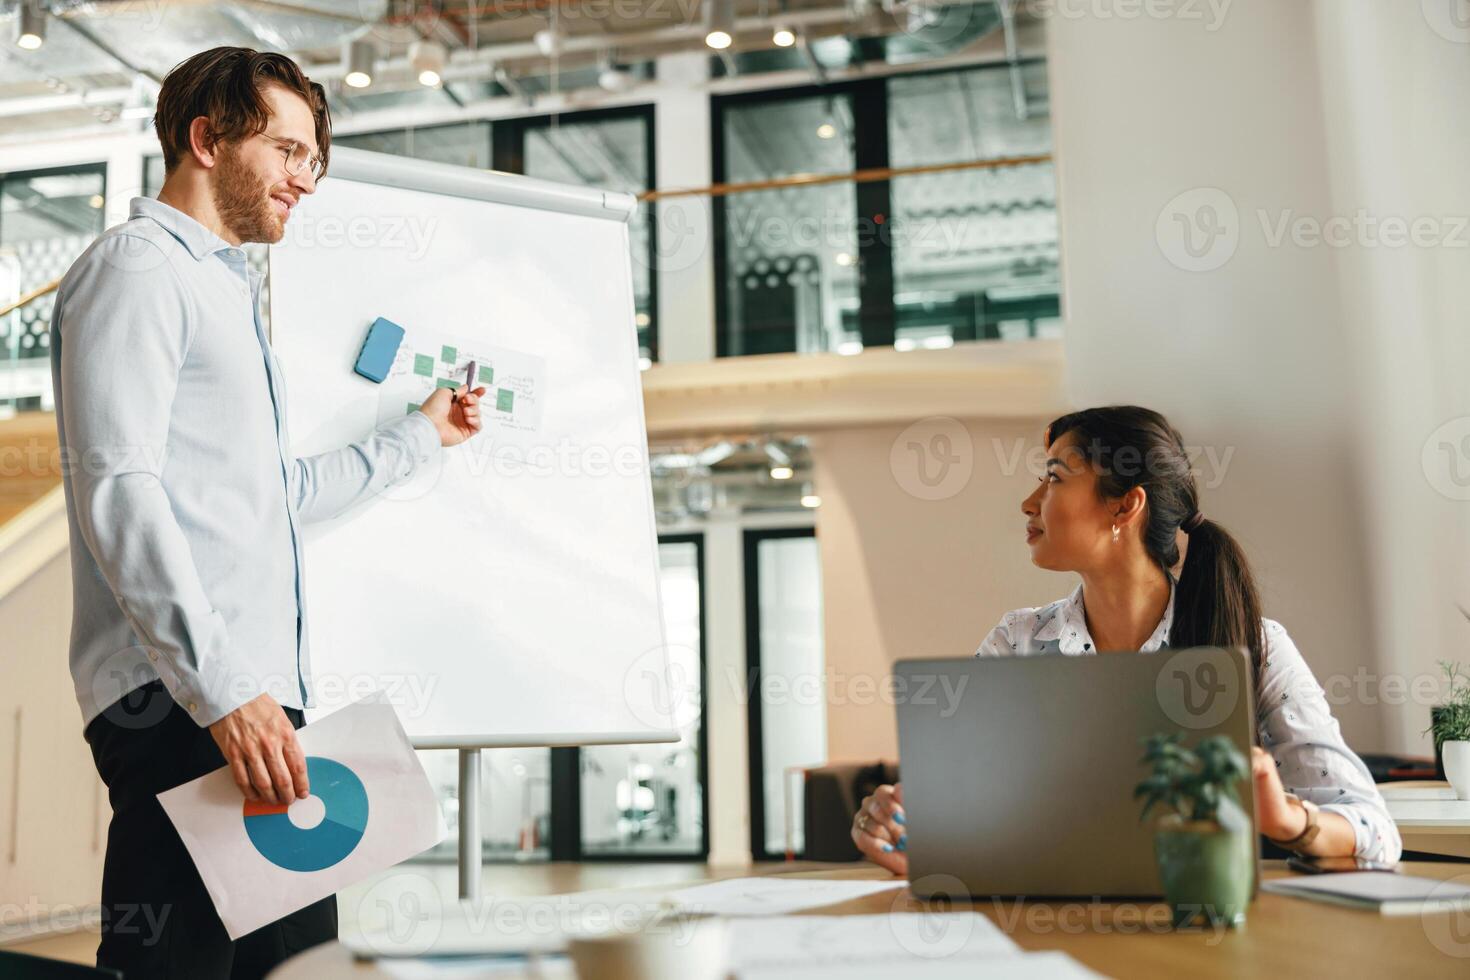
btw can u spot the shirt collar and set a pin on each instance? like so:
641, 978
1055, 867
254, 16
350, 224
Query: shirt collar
1068, 627
199, 240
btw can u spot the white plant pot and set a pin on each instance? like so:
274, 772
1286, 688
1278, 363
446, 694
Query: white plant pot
1457, 766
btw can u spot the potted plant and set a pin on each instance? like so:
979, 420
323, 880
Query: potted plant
1204, 844
1450, 724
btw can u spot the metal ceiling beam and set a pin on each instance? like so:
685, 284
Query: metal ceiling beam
86, 34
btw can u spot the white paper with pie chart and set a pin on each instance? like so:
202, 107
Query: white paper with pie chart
370, 806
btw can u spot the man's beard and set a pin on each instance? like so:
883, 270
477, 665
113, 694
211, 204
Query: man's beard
243, 203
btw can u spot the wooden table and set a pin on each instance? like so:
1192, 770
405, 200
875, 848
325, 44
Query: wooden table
1284, 937
1430, 817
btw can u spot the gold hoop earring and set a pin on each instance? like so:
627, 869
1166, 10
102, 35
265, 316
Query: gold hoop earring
1115, 534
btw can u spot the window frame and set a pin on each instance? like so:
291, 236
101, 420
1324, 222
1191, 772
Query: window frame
877, 314
755, 734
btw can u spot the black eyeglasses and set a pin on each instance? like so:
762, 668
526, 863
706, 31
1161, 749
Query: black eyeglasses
298, 155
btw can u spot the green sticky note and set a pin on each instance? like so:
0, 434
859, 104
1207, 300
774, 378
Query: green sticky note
446, 383
504, 400
412, 407
448, 354
423, 364
486, 374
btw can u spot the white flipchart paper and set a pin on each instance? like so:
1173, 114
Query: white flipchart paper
403, 819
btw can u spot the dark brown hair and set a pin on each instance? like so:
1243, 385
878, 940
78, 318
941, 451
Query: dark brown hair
1215, 602
224, 85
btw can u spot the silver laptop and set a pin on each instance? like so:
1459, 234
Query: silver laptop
1018, 772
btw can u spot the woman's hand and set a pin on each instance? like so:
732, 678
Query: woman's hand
1276, 816
878, 829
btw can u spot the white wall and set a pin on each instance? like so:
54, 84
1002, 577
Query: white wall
1248, 358
1393, 90
53, 807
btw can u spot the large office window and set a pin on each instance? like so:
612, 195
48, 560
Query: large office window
515, 802
47, 218
790, 275
921, 260
974, 251
466, 144
786, 666
649, 800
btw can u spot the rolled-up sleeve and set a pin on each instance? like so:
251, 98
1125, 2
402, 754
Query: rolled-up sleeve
1298, 729
123, 340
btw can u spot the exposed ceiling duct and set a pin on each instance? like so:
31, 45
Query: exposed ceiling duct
101, 60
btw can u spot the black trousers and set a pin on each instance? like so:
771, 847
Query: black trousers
157, 918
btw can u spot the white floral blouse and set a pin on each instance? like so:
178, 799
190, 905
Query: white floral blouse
1295, 722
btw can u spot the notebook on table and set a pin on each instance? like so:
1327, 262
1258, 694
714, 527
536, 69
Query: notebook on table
1389, 894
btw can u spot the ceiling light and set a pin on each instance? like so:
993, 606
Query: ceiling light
359, 57
782, 472
811, 500
719, 23
427, 59
844, 258
613, 77
783, 36
30, 26
826, 131
547, 41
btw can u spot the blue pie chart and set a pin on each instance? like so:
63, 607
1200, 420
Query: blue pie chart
294, 848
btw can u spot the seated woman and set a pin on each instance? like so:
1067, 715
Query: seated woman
1116, 503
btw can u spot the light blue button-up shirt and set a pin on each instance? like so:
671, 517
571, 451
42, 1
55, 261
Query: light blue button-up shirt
184, 501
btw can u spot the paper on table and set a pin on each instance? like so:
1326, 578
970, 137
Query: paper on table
774, 896
854, 939
371, 806
1018, 966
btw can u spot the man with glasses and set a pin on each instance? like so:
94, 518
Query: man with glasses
186, 505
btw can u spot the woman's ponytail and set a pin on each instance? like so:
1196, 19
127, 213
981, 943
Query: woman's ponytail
1216, 603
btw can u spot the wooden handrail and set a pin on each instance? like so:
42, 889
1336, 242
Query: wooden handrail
856, 176
30, 297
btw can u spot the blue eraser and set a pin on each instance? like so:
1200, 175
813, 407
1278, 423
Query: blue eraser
379, 350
